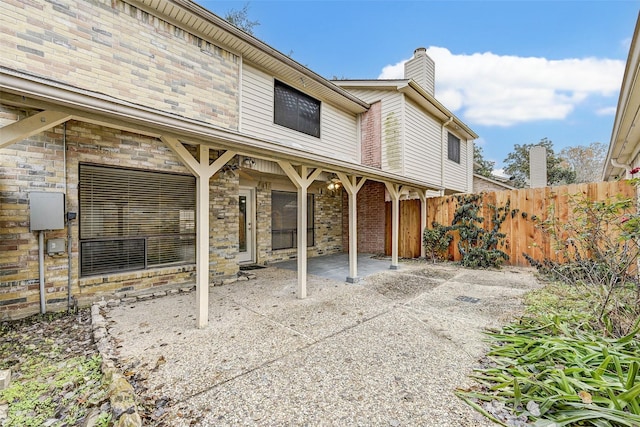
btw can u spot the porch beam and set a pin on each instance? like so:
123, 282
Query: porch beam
394, 191
23, 129
302, 181
203, 172
422, 194
352, 185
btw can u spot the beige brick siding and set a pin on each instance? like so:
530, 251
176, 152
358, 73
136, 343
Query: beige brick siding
37, 164
113, 48
328, 233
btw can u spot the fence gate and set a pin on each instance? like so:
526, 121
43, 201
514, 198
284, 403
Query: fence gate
409, 229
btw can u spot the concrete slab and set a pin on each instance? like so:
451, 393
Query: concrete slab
390, 350
336, 266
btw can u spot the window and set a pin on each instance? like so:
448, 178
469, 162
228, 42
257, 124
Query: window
453, 148
284, 220
133, 220
295, 110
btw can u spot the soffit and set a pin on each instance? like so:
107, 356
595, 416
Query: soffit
194, 18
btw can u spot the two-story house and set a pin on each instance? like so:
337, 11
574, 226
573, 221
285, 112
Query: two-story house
185, 147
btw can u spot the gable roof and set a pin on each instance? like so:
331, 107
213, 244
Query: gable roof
624, 146
416, 93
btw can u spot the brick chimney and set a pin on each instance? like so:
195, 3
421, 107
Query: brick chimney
422, 69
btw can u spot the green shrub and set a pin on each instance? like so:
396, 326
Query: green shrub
436, 241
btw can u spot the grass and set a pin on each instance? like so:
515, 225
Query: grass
553, 368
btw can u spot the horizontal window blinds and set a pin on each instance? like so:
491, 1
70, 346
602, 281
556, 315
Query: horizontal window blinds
132, 219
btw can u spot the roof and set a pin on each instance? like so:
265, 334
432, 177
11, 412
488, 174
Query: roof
417, 94
495, 180
204, 23
625, 136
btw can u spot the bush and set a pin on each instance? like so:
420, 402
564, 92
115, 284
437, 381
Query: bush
436, 241
479, 247
598, 251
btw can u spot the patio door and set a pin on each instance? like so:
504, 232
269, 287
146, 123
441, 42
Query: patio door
246, 228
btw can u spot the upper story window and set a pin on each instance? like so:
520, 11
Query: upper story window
453, 148
296, 110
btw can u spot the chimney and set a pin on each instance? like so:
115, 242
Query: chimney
537, 166
422, 69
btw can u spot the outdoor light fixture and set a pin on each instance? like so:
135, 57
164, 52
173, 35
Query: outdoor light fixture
333, 184
248, 163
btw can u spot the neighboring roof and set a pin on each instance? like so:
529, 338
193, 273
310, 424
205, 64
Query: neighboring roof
495, 180
202, 22
416, 93
625, 137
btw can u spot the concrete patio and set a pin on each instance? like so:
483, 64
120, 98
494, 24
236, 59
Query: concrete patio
336, 266
387, 351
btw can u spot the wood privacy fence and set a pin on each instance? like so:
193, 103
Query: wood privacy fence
522, 234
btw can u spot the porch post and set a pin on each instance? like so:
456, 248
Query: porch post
302, 181
423, 218
394, 191
203, 172
352, 186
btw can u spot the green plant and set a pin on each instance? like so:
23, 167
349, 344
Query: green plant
479, 246
436, 241
546, 370
597, 251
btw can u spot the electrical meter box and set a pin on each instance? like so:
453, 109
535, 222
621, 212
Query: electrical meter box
46, 211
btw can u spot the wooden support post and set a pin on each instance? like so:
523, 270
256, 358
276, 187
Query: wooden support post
203, 172
352, 186
422, 194
394, 191
302, 181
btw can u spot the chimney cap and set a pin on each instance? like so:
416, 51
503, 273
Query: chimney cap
419, 51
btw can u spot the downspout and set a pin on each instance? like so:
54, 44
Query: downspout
444, 125
626, 168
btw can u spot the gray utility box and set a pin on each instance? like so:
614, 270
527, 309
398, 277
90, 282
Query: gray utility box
46, 211
55, 246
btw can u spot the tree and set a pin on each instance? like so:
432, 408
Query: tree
517, 165
586, 161
481, 166
240, 19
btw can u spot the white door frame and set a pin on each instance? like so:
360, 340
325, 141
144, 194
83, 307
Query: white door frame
248, 256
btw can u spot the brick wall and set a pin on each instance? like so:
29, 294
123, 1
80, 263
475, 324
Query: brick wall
38, 164
111, 47
327, 231
371, 218
371, 146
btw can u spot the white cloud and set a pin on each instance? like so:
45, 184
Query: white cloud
606, 111
502, 90
499, 172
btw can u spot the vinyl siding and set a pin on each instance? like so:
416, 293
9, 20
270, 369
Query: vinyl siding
457, 176
338, 130
392, 125
422, 145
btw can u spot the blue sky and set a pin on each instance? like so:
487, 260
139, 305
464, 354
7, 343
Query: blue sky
514, 71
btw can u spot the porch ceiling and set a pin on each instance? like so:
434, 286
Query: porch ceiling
23, 90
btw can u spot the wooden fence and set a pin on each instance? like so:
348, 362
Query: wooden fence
522, 234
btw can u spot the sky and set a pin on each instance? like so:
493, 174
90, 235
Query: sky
514, 71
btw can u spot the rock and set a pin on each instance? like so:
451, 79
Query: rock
172, 291
128, 300
159, 294
4, 412
229, 281
121, 396
91, 419
129, 420
185, 290
144, 297
5, 378
243, 279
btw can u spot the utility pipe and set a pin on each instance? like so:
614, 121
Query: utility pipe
43, 305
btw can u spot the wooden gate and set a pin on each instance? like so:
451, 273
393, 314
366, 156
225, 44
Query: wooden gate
410, 242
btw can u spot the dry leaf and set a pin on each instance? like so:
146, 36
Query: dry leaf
585, 396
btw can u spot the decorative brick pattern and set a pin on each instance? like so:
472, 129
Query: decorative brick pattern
114, 48
371, 218
371, 147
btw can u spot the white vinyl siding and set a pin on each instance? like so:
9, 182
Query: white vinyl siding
392, 128
422, 150
338, 129
457, 175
